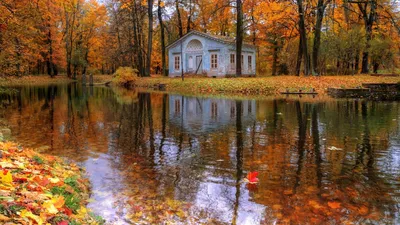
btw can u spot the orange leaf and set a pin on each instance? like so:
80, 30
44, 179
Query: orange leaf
334, 205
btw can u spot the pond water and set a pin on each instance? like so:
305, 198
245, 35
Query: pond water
170, 159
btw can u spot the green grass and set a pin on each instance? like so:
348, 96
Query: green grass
38, 160
72, 201
72, 181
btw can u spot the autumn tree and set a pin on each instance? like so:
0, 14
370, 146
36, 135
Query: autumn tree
303, 51
162, 36
368, 11
149, 37
239, 37
321, 6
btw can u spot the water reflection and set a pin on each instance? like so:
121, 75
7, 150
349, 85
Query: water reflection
154, 158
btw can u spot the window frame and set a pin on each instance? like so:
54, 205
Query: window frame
250, 62
214, 61
177, 62
232, 61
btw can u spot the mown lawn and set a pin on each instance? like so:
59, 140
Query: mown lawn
263, 85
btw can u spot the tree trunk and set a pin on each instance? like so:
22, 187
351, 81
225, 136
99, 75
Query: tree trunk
356, 63
150, 37
180, 26
375, 67
86, 60
365, 55
189, 20
50, 64
239, 37
137, 34
18, 54
302, 29
275, 57
299, 57
163, 51
369, 19
317, 34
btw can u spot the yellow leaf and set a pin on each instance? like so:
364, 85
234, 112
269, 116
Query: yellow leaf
6, 177
49, 206
27, 214
82, 212
7, 145
54, 180
58, 202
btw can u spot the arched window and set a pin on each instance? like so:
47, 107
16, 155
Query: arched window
194, 45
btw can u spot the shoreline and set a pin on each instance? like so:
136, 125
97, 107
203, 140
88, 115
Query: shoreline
42, 189
257, 87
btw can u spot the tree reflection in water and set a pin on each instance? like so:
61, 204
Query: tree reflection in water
154, 158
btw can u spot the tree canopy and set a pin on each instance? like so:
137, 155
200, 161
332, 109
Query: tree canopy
310, 37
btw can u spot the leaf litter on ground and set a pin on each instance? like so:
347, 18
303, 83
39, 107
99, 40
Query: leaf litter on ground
41, 189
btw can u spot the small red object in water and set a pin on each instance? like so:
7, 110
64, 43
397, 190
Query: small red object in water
252, 177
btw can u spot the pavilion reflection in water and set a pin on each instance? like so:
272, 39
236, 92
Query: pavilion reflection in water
198, 115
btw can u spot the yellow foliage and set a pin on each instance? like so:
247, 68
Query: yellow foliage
27, 214
6, 177
125, 76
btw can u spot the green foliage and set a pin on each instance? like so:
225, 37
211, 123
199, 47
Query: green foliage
92, 70
8, 91
72, 181
78, 57
3, 210
37, 159
16, 208
125, 76
73, 222
339, 49
382, 51
97, 218
72, 201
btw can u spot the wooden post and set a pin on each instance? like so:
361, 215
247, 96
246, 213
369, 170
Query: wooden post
84, 79
91, 79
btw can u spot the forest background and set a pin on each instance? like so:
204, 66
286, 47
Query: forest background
310, 37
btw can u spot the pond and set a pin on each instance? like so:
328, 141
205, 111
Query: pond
158, 158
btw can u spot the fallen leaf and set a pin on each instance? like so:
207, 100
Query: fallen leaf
4, 218
252, 177
315, 204
6, 177
334, 205
49, 206
363, 210
27, 214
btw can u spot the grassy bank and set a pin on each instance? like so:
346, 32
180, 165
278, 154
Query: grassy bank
40, 79
264, 85
41, 189
45, 80
260, 86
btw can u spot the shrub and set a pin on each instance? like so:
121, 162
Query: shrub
125, 76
